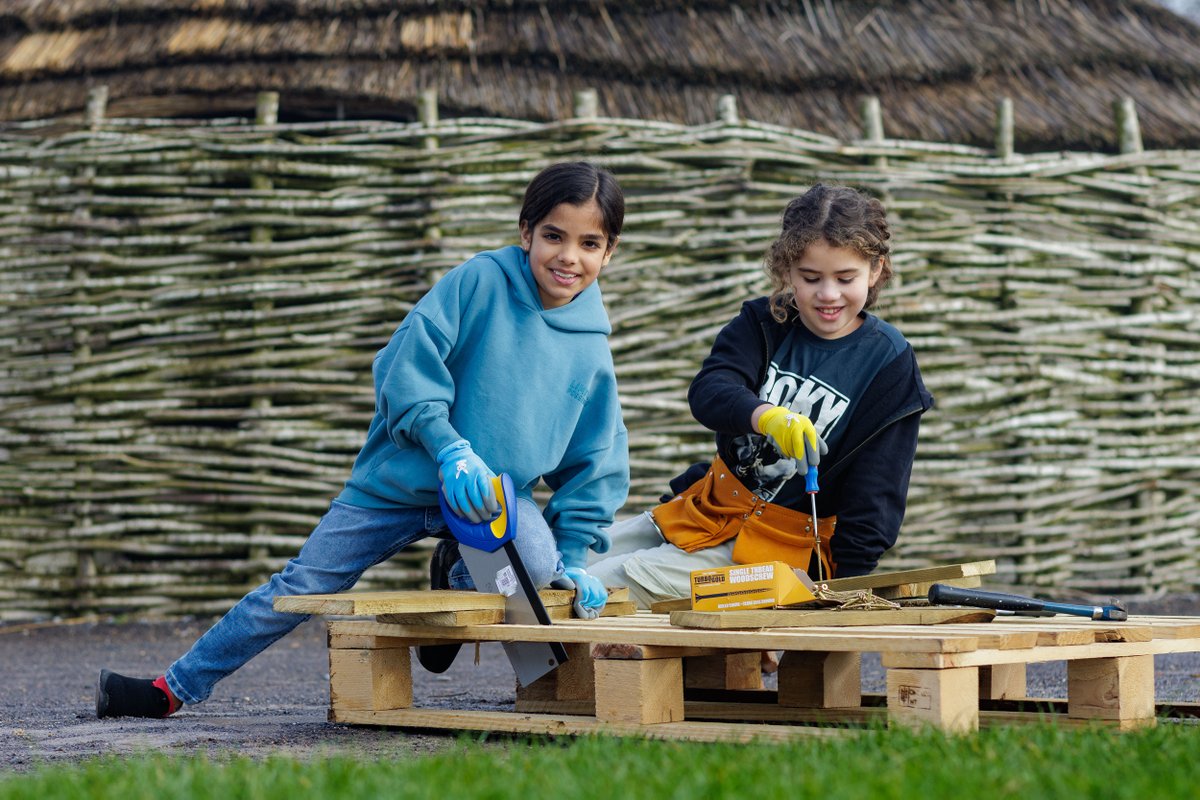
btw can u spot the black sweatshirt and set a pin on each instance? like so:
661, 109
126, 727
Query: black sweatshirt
864, 394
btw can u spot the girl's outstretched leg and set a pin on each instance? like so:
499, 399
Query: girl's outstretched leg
346, 541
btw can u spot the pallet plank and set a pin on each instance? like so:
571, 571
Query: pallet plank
927, 575
642, 652
985, 657
874, 640
449, 619
889, 585
569, 725
399, 605
920, 589
836, 618
368, 604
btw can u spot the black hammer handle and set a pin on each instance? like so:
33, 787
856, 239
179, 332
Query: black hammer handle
942, 595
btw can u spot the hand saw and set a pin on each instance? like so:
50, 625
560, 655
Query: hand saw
490, 552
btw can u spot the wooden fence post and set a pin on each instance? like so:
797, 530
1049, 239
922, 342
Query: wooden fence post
1004, 129
266, 113
586, 104
727, 114
872, 121
727, 110
1129, 140
1129, 131
427, 115
85, 557
97, 104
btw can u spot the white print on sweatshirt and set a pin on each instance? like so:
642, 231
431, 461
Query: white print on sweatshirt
816, 400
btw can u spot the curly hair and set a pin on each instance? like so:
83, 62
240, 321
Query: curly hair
843, 217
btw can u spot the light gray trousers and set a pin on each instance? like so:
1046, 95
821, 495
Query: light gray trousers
652, 568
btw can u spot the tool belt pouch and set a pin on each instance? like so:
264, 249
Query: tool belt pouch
718, 507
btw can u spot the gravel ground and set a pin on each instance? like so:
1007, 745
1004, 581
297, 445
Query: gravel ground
277, 703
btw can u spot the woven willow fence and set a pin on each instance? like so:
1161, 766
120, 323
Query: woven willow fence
188, 314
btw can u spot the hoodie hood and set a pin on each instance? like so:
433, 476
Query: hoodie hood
584, 314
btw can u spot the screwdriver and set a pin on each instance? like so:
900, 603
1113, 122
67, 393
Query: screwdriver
810, 486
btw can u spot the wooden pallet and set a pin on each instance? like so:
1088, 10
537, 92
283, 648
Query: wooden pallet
638, 674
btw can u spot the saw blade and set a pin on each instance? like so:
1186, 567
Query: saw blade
502, 572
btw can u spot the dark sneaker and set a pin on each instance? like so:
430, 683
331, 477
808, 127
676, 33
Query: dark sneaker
119, 696
439, 657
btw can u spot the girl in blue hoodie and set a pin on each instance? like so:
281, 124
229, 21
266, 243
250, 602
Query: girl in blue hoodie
503, 366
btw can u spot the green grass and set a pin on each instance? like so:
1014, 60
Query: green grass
1026, 762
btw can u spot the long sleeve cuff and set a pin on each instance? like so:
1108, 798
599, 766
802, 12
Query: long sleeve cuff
574, 551
437, 434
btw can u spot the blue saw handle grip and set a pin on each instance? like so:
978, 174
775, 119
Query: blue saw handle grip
810, 481
490, 535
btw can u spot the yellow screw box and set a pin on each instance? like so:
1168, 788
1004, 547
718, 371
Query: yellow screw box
742, 586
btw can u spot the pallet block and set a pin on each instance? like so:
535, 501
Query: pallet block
370, 678
572, 684
947, 699
1120, 688
629, 675
1002, 682
736, 671
820, 680
643, 691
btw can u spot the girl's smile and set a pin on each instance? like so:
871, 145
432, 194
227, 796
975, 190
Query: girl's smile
829, 286
567, 250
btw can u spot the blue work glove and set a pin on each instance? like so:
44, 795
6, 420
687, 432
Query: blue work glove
794, 436
590, 594
467, 482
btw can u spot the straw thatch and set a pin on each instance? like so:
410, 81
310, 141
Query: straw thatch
188, 314
939, 66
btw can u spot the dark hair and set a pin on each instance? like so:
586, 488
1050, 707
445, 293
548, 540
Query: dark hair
843, 217
575, 182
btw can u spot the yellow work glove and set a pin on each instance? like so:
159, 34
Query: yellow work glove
794, 436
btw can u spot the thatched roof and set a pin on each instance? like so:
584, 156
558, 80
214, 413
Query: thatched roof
939, 67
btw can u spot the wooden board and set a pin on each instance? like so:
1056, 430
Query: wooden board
920, 589
890, 585
449, 619
776, 618
667, 606
564, 725
926, 575
660, 632
443, 607
368, 604
611, 609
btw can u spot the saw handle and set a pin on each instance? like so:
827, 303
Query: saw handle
491, 534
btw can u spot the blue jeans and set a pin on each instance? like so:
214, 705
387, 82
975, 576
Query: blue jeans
346, 542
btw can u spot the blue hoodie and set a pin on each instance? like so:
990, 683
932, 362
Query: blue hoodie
533, 391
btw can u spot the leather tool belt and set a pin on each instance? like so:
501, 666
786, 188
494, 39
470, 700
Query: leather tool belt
718, 507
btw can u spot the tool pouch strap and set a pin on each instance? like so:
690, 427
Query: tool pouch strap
718, 507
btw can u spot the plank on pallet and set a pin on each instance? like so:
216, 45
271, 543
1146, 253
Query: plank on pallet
888, 585
443, 607
836, 618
